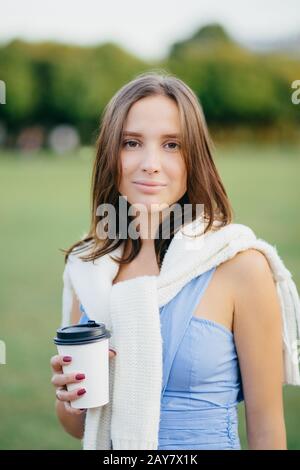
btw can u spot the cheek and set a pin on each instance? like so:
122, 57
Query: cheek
127, 170
177, 172
127, 164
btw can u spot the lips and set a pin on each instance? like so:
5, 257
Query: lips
149, 183
149, 188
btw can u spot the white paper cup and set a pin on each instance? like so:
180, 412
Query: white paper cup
87, 344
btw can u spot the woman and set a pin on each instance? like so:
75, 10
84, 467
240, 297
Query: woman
154, 132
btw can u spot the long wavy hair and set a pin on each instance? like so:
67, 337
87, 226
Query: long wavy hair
204, 185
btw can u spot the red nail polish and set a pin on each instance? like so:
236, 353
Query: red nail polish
81, 391
79, 376
67, 359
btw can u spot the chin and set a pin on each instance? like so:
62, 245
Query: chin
153, 201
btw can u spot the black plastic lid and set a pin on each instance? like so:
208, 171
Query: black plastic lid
83, 333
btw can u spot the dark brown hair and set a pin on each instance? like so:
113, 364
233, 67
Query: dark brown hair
204, 185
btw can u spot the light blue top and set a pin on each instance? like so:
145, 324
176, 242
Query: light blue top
201, 376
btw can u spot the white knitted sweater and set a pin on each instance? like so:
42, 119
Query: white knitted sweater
130, 310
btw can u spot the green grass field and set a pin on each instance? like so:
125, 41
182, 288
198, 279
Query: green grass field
44, 207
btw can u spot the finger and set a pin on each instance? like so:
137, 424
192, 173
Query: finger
59, 380
112, 353
58, 361
64, 395
73, 411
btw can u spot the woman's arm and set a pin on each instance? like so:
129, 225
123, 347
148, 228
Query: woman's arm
73, 424
258, 338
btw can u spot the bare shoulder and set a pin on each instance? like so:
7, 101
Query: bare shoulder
245, 289
245, 270
249, 265
253, 289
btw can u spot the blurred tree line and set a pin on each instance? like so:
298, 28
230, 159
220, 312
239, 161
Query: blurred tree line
50, 83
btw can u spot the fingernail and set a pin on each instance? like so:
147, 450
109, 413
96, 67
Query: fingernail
67, 359
81, 391
79, 376
113, 351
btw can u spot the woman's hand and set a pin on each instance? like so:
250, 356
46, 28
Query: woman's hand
60, 380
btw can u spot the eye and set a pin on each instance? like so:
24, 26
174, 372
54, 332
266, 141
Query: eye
125, 142
129, 141
173, 143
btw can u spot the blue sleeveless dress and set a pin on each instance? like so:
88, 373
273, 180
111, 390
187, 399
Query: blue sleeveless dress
202, 383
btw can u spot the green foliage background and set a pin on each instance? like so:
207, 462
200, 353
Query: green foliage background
50, 83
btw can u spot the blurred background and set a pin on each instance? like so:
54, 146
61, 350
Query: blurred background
60, 63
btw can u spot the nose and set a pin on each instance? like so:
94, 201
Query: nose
151, 161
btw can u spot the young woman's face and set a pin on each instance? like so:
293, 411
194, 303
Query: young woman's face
149, 153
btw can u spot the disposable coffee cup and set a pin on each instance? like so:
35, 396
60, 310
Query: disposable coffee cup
87, 344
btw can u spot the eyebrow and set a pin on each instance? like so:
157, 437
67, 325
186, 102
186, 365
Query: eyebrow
138, 134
